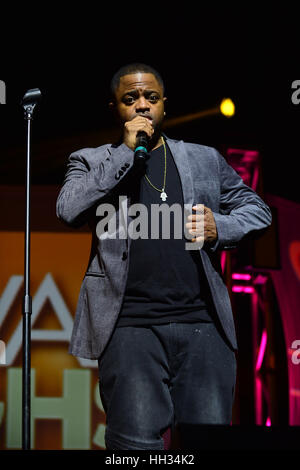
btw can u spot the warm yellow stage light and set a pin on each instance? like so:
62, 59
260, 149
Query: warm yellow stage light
227, 107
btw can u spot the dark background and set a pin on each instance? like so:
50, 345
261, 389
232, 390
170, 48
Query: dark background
246, 54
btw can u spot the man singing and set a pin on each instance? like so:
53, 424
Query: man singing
156, 315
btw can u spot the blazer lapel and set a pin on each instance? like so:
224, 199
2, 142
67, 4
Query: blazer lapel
181, 160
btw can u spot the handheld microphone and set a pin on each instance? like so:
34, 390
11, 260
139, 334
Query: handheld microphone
141, 149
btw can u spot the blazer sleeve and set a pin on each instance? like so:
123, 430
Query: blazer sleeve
242, 212
85, 184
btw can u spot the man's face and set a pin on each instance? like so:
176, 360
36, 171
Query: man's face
140, 94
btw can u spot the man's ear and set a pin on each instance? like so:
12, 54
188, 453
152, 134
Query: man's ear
113, 110
164, 100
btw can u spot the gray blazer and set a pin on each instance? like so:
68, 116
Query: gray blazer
93, 176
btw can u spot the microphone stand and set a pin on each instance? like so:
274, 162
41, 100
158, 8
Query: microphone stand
28, 103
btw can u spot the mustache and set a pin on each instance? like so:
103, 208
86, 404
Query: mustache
145, 115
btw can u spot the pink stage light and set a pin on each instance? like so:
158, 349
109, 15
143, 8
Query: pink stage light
237, 288
268, 422
249, 289
223, 261
260, 279
244, 289
240, 276
261, 351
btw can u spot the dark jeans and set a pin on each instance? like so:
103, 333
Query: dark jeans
154, 377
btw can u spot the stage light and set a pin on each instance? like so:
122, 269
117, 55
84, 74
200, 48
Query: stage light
262, 348
244, 289
227, 107
241, 276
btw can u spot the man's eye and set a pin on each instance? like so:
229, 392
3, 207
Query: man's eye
128, 100
153, 98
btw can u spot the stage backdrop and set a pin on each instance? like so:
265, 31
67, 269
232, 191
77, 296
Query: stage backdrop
287, 286
66, 408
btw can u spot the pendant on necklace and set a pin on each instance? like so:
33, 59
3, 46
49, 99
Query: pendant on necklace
163, 196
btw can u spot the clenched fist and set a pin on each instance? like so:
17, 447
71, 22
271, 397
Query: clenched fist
202, 224
131, 128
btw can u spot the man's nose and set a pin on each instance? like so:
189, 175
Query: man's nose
142, 105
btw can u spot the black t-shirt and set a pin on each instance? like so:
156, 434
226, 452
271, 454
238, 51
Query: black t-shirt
165, 281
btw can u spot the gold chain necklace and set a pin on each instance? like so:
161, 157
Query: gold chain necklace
162, 191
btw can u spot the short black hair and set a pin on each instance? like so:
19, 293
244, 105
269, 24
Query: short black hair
130, 69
